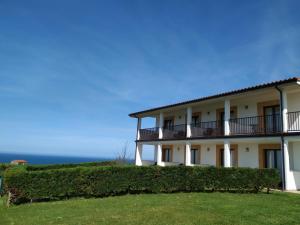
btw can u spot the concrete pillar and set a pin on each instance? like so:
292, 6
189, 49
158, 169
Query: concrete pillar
139, 125
188, 154
226, 117
138, 154
155, 153
188, 122
227, 160
284, 112
161, 125
286, 168
159, 154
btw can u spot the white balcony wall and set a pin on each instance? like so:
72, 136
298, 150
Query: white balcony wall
247, 108
293, 175
293, 102
208, 154
248, 158
294, 149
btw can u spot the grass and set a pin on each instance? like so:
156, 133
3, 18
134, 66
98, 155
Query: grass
179, 208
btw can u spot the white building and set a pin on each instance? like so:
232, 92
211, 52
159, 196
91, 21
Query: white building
257, 127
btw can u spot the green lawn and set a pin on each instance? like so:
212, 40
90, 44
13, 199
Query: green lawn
180, 208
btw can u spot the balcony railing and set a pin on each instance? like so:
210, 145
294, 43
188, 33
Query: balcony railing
175, 132
293, 121
207, 129
147, 134
256, 125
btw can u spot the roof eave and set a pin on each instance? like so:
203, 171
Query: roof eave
238, 91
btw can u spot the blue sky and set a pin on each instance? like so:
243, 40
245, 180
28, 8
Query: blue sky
71, 71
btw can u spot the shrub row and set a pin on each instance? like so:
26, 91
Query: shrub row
70, 165
25, 185
3, 167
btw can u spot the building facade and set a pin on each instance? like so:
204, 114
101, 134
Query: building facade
256, 127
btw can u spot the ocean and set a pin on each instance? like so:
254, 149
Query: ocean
48, 159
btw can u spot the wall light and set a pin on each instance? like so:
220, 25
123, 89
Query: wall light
247, 149
246, 106
208, 149
208, 113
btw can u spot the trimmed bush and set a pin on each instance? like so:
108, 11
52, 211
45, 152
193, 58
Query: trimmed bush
69, 165
24, 185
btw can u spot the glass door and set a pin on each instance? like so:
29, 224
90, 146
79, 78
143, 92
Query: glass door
233, 160
273, 158
166, 157
169, 124
272, 119
195, 156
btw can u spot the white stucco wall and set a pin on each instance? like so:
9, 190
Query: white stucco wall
208, 157
293, 102
246, 108
294, 151
248, 159
178, 153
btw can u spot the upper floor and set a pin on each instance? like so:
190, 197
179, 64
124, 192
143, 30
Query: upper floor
263, 110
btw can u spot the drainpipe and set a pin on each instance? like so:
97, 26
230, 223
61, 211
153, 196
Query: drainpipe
282, 140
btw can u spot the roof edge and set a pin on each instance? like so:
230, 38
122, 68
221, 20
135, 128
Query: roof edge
234, 92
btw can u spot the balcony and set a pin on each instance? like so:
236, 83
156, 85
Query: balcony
175, 132
247, 126
148, 134
256, 125
207, 129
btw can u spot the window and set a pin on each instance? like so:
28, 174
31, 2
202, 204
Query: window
233, 160
195, 120
195, 155
272, 119
273, 158
168, 124
167, 155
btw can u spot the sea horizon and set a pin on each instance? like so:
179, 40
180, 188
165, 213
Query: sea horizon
32, 158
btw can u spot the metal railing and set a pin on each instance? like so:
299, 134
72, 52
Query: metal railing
293, 119
149, 134
175, 132
207, 129
255, 125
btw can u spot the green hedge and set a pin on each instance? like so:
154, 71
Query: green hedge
27, 185
69, 165
3, 167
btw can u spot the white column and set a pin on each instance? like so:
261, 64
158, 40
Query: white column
284, 112
139, 125
188, 122
155, 153
159, 154
286, 164
161, 125
226, 157
188, 154
138, 154
226, 117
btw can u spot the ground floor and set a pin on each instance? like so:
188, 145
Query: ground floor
240, 152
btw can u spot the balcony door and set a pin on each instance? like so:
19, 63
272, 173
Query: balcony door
273, 159
167, 154
195, 155
169, 124
221, 117
272, 119
233, 155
